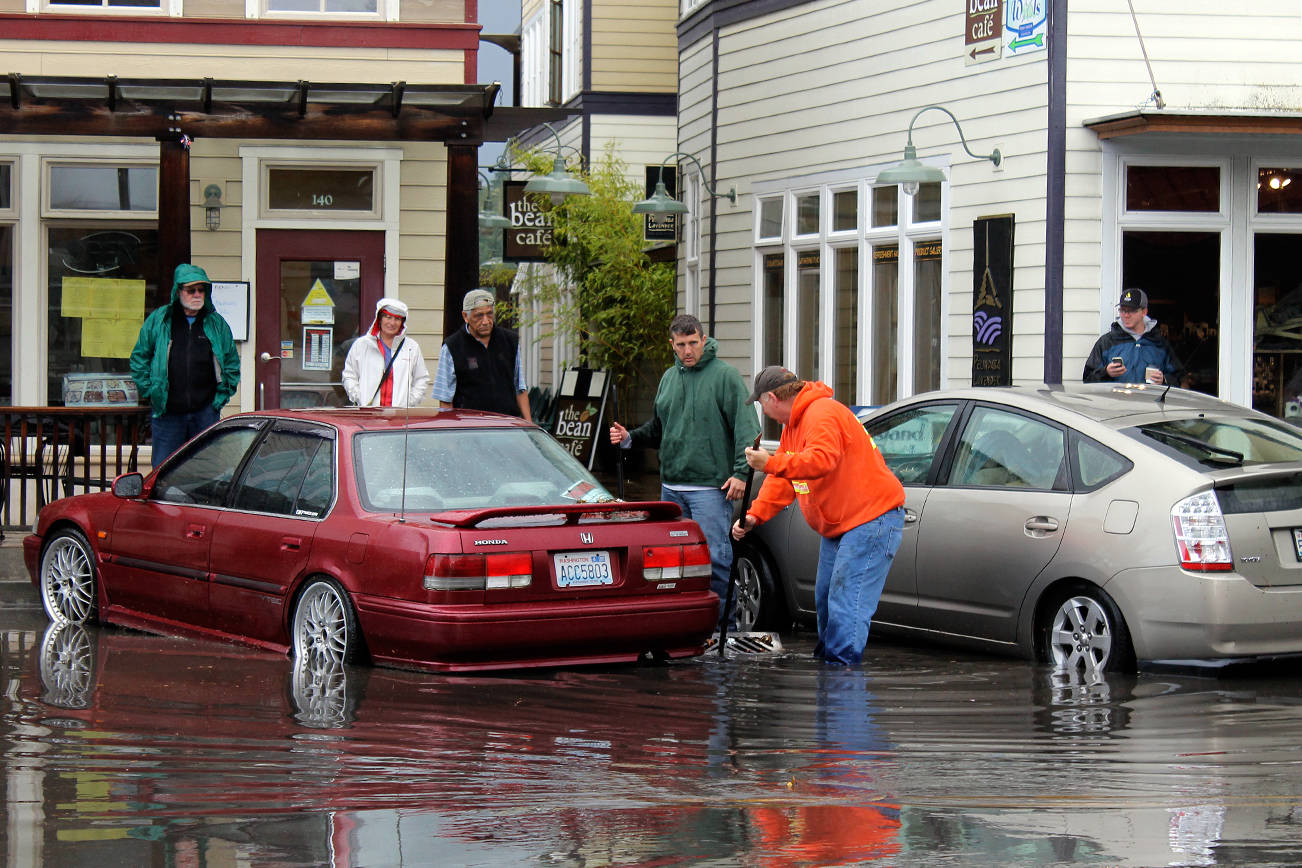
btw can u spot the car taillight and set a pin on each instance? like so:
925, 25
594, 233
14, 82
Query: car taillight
675, 562
1201, 538
478, 572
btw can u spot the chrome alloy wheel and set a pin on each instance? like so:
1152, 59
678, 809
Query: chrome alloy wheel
68, 579
1081, 635
747, 595
323, 624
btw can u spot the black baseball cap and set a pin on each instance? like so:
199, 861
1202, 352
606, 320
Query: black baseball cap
771, 378
1135, 298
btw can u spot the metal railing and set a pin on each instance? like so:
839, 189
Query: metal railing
53, 452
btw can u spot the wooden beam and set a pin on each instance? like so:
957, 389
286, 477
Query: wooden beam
1228, 124
173, 208
461, 269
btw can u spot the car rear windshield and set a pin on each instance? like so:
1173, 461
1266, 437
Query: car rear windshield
1275, 494
468, 469
1228, 441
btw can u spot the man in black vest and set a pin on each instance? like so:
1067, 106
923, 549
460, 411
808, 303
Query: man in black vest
479, 365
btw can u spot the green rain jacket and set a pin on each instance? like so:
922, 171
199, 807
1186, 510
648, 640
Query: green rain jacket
149, 358
703, 422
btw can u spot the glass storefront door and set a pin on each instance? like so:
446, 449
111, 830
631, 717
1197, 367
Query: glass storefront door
316, 295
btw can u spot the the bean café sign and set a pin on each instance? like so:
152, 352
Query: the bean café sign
531, 224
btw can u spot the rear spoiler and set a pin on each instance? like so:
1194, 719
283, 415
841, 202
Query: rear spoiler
558, 514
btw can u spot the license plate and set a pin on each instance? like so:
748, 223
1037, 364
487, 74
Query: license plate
1297, 542
583, 569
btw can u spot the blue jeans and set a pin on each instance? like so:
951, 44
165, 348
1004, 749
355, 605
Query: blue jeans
852, 571
172, 430
711, 509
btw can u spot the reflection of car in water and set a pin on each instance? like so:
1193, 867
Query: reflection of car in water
431, 539
1092, 526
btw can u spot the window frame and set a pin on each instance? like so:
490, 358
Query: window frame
49, 212
385, 10
266, 212
165, 9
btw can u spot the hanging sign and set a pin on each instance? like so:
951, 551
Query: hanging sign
992, 301
580, 409
531, 225
661, 227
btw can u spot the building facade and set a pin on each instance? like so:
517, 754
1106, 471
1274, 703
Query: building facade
1156, 150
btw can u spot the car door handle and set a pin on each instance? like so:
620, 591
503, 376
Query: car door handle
195, 531
1041, 525
290, 543
910, 517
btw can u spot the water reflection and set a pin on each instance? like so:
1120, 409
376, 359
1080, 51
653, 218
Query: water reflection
125, 749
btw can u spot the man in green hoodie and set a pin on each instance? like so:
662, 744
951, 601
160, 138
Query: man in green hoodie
702, 424
185, 363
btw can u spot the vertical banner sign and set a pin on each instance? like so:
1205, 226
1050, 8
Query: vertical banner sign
580, 408
992, 301
531, 225
661, 227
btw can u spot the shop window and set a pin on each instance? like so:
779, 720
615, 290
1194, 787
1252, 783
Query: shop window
6, 195
807, 222
926, 203
772, 343
101, 286
808, 319
926, 316
845, 210
1173, 188
885, 323
81, 188
886, 205
1279, 191
770, 220
846, 294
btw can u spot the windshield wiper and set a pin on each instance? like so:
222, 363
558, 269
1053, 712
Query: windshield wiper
1215, 454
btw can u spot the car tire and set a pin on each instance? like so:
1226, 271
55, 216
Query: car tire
1085, 631
324, 626
69, 590
757, 599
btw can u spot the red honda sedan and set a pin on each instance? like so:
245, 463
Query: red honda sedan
435, 539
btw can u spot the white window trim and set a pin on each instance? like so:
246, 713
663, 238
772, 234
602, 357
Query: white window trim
264, 190
906, 233
168, 8
51, 213
386, 10
691, 189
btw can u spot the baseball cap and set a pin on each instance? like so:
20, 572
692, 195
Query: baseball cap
477, 298
1135, 298
769, 379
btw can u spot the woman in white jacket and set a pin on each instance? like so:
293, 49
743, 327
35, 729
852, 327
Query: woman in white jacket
370, 378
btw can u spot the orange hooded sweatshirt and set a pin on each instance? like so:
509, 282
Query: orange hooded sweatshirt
827, 459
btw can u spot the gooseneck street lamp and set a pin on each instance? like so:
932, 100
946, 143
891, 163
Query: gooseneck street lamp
559, 183
662, 203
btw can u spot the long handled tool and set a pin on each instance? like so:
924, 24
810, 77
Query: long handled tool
732, 579
619, 450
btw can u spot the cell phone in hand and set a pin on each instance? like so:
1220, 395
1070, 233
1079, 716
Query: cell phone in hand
1117, 359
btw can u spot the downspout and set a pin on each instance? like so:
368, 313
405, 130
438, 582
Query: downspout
1055, 192
714, 156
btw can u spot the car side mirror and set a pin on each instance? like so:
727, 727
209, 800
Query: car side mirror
129, 485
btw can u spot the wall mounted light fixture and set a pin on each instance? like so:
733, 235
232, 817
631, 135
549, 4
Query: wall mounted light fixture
911, 172
559, 183
212, 207
662, 203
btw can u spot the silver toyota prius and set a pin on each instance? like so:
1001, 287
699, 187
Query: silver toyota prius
1094, 527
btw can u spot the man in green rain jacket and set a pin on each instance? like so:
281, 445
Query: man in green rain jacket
185, 363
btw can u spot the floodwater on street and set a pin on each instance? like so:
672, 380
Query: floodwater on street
125, 749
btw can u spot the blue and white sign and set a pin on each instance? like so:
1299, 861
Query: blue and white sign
1026, 26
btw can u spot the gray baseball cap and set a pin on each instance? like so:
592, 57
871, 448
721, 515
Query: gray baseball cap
478, 298
771, 378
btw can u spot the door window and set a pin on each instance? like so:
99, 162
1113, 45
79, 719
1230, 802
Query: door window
1009, 450
910, 440
274, 480
203, 474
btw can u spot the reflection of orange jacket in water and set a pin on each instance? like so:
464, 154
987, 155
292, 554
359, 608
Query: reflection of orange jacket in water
825, 834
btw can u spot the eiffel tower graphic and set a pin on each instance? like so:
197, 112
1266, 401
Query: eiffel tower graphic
986, 294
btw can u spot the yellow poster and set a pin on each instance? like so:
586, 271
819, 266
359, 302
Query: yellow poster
106, 338
103, 298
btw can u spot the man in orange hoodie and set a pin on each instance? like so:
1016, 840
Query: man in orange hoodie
848, 495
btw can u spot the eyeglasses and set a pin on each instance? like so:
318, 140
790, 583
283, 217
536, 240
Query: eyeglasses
199, 289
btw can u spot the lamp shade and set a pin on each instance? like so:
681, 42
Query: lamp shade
660, 203
558, 184
493, 221
910, 172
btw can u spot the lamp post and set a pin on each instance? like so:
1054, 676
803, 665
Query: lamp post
910, 172
662, 203
559, 183
488, 219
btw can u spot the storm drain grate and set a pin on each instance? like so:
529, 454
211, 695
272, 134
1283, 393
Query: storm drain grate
747, 643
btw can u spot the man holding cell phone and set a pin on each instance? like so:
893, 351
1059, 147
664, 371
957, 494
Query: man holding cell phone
1133, 350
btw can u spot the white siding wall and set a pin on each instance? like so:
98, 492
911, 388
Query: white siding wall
844, 101
639, 141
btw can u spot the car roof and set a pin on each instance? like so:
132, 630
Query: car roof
358, 419
1113, 404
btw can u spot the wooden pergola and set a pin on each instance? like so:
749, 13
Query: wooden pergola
173, 110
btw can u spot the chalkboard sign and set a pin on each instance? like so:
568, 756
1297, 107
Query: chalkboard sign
580, 410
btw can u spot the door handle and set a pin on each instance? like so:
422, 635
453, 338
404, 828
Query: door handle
290, 543
1041, 525
268, 357
195, 531
910, 517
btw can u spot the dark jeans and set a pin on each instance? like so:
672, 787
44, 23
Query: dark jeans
172, 430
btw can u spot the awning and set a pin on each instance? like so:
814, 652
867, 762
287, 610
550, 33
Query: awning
1220, 122
208, 108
